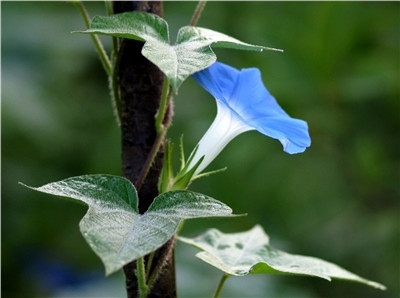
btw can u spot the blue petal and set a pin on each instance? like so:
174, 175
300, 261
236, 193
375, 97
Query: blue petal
292, 133
245, 94
218, 79
259, 109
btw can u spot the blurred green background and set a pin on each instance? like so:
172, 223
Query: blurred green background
337, 201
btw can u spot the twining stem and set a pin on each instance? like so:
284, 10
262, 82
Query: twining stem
153, 277
105, 61
150, 158
221, 284
159, 266
161, 129
145, 279
141, 276
165, 97
149, 263
197, 13
140, 87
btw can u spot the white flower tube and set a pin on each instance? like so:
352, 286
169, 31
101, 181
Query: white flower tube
224, 128
244, 104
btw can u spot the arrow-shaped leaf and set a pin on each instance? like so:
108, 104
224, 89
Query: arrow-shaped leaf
135, 25
250, 253
191, 53
112, 225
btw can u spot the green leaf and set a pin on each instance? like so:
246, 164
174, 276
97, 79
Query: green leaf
112, 226
132, 25
191, 53
250, 253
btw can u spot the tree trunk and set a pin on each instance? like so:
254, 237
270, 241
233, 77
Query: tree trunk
140, 84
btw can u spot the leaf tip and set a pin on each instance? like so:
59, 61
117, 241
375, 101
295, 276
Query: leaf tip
27, 186
272, 49
238, 215
78, 31
377, 285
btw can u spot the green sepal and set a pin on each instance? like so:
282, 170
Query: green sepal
183, 181
206, 174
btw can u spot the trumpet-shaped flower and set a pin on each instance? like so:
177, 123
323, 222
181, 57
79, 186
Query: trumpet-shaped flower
243, 104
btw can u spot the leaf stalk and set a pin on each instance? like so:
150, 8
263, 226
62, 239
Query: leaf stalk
220, 285
105, 60
197, 13
109, 65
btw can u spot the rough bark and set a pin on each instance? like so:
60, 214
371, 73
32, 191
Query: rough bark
140, 84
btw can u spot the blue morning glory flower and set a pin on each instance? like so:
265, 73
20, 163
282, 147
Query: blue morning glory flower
243, 104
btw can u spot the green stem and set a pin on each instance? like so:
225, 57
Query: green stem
149, 263
109, 9
141, 276
109, 66
150, 158
114, 89
113, 78
105, 61
154, 276
165, 97
221, 284
197, 13
157, 270
161, 130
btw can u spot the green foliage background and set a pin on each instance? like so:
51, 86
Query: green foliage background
337, 201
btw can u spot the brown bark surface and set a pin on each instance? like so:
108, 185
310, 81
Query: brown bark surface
140, 84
